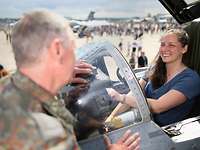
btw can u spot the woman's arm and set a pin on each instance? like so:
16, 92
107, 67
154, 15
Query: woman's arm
126, 101
118, 109
167, 101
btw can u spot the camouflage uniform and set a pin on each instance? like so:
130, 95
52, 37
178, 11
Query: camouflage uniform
26, 120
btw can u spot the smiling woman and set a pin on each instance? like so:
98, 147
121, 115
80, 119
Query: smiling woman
173, 45
173, 87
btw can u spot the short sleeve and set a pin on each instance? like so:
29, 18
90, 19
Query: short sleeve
148, 89
188, 85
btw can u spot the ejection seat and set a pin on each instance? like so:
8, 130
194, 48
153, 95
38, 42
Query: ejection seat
192, 58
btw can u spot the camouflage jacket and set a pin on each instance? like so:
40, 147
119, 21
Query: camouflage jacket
31, 118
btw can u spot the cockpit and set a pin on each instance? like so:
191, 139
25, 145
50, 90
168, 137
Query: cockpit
91, 103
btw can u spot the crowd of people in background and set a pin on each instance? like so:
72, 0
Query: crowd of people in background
134, 29
133, 49
122, 29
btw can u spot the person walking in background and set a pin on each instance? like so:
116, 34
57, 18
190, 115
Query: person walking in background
120, 45
132, 60
142, 60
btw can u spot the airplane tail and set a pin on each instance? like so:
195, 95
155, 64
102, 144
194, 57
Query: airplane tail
91, 16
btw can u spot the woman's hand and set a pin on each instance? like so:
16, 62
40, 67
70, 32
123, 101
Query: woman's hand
128, 99
115, 95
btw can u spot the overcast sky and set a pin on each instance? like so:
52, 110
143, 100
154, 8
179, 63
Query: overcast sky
80, 8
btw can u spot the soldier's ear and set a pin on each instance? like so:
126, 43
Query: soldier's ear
56, 48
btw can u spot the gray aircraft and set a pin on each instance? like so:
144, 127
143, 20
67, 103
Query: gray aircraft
91, 104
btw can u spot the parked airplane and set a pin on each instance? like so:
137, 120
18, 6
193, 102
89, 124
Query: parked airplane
85, 27
91, 21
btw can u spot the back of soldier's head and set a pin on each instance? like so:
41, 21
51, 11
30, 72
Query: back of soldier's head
33, 34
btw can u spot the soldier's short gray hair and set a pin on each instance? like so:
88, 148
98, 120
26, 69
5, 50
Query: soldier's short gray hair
33, 34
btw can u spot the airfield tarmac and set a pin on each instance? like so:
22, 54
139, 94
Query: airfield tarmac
149, 42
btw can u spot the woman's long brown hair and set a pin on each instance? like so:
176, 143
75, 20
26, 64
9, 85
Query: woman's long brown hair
159, 76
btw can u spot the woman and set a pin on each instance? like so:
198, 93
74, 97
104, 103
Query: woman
172, 88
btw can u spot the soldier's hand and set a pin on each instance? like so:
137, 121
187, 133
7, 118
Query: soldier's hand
81, 67
128, 141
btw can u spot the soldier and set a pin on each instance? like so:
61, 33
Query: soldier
43, 46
